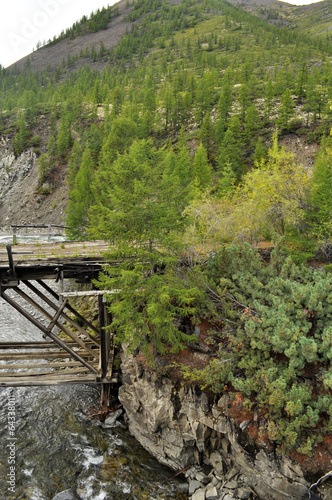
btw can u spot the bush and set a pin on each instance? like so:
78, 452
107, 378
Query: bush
275, 341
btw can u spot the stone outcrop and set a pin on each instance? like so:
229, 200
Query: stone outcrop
14, 169
180, 427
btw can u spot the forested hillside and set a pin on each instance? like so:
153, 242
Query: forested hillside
170, 136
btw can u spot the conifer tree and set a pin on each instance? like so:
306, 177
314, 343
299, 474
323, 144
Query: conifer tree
252, 122
260, 152
143, 214
268, 98
81, 198
207, 136
286, 110
231, 154
321, 200
21, 137
202, 171
74, 163
64, 141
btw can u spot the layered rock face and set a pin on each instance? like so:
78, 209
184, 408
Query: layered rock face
181, 427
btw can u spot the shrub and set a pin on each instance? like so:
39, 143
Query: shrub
275, 341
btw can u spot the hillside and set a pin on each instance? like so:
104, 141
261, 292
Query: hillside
221, 33
53, 55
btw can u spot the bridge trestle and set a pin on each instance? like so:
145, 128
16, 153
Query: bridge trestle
74, 350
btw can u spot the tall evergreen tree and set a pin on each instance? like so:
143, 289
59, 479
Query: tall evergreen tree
286, 110
202, 171
81, 198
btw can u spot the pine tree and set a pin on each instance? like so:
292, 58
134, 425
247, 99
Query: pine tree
202, 171
268, 99
286, 110
252, 122
142, 216
260, 152
231, 154
81, 198
74, 163
21, 137
321, 200
207, 136
64, 141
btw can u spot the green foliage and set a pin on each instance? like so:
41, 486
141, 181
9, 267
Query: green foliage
321, 201
21, 138
286, 110
43, 167
144, 201
275, 340
81, 198
201, 171
150, 294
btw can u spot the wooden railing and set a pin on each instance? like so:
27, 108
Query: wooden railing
48, 227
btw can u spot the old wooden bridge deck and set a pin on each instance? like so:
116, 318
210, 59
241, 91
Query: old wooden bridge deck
73, 349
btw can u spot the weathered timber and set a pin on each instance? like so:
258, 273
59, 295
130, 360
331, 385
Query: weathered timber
69, 307
11, 261
86, 358
49, 372
50, 364
59, 342
39, 226
25, 381
82, 270
33, 345
47, 330
36, 355
88, 293
106, 355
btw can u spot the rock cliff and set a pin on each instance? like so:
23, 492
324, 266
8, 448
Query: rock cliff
181, 426
20, 200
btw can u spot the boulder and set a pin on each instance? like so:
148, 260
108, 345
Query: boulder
110, 421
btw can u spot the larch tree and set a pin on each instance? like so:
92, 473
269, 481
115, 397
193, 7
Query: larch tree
80, 198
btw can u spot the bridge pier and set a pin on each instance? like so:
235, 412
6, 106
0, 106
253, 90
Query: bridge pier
106, 357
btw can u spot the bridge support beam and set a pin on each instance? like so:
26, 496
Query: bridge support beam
106, 351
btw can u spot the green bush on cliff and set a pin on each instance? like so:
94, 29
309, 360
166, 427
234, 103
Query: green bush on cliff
275, 343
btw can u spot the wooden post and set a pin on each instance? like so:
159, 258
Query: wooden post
11, 260
104, 354
14, 235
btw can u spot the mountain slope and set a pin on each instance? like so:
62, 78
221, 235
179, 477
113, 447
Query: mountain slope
162, 66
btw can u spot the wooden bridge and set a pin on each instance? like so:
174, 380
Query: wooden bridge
73, 349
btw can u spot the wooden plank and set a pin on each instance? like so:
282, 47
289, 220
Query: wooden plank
29, 366
56, 316
39, 226
51, 373
45, 380
88, 293
38, 355
37, 345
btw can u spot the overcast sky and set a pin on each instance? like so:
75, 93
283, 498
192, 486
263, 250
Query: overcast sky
25, 22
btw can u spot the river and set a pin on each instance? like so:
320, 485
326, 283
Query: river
49, 444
